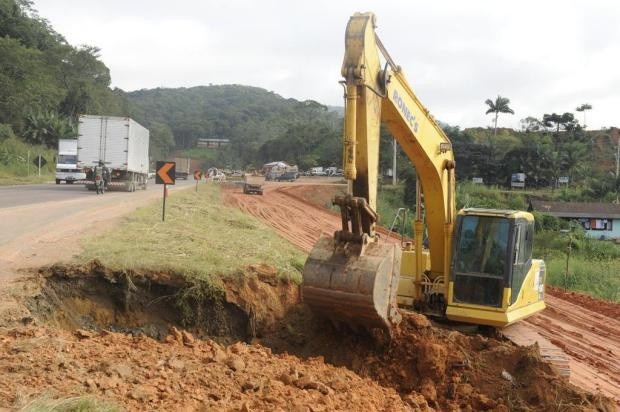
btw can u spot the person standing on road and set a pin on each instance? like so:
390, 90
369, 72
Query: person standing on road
98, 174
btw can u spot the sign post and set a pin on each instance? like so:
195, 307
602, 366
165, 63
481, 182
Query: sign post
165, 176
39, 161
197, 176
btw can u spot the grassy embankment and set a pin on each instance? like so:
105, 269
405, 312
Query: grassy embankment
594, 265
200, 239
15, 168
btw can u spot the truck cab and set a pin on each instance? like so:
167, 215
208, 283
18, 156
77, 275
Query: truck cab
67, 169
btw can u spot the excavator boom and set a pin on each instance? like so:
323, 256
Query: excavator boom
353, 276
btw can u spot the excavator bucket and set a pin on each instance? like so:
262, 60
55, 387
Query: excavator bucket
358, 289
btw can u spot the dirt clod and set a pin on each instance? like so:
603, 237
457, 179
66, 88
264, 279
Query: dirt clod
121, 370
432, 360
235, 363
144, 393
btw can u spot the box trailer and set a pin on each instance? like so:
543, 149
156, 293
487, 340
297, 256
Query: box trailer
67, 169
118, 143
185, 166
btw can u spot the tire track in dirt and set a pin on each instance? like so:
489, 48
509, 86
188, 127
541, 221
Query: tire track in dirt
590, 338
300, 223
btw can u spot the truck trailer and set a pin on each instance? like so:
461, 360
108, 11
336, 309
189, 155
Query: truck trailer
118, 143
67, 169
185, 166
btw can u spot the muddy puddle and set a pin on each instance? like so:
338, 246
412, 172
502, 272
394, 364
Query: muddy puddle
426, 367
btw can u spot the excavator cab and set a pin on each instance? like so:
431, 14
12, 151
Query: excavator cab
493, 279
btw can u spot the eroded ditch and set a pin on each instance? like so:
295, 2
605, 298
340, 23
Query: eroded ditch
427, 366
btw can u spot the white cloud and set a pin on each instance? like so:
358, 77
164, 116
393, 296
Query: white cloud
544, 56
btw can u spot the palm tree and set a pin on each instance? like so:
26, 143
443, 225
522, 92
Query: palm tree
500, 105
583, 108
46, 128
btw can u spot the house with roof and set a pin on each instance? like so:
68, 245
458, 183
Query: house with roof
600, 220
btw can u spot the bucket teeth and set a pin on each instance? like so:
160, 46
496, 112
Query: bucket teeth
359, 290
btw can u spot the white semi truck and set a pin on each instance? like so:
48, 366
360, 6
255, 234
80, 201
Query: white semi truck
118, 143
67, 169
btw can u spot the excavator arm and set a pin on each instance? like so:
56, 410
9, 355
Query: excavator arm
354, 276
375, 95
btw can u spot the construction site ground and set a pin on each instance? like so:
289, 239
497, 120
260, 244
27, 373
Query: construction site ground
154, 341
588, 330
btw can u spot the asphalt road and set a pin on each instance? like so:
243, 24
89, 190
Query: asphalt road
40, 224
22, 195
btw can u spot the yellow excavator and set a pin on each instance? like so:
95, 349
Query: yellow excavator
478, 266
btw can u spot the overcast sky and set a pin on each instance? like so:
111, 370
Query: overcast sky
546, 56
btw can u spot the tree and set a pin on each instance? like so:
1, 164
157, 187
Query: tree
500, 105
583, 108
565, 121
531, 124
46, 128
26, 82
161, 140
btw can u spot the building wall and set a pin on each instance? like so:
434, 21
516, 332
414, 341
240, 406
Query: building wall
608, 234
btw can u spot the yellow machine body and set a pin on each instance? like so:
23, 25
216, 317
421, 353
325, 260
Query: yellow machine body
357, 278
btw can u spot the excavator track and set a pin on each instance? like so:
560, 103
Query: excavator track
522, 335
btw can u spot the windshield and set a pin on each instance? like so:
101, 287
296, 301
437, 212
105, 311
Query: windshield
483, 245
67, 159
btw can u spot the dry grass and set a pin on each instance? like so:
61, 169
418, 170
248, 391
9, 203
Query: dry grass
45, 403
200, 238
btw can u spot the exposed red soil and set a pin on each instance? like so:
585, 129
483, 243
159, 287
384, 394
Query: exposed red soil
294, 362
609, 309
587, 329
591, 339
184, 373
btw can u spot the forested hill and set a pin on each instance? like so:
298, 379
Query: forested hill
261, 125
44, 81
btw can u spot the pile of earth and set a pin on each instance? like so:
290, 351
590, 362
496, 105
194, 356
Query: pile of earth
159, 341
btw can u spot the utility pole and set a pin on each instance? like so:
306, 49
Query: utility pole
617, 168
394, 163
618, 159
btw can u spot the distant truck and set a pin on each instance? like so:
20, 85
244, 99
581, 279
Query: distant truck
181, 168
121, 144
252, 189
185, 166
280, 173
67, 169
289, 176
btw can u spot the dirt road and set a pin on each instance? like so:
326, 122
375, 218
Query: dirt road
589, 336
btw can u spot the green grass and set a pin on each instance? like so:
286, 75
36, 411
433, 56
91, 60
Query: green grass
15, 166
201, 238
593, 266
76, 404
599, 278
